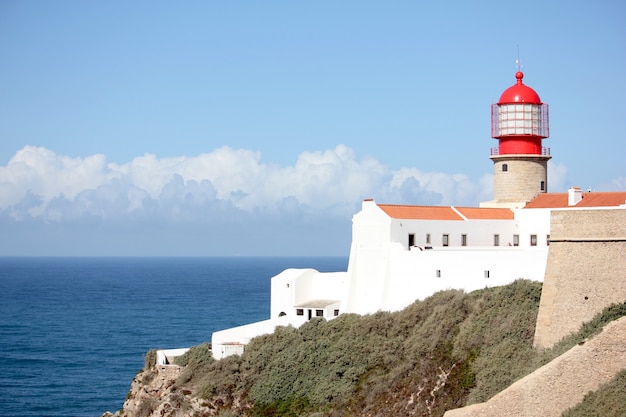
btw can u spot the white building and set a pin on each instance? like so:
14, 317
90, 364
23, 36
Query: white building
403, 253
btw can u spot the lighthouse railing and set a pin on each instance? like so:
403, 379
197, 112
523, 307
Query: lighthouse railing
495, 151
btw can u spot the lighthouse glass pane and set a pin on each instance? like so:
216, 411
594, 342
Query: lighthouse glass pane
519, 119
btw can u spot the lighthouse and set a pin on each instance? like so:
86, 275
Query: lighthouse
519, 121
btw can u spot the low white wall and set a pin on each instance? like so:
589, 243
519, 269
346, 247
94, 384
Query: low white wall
162, 355
243, 334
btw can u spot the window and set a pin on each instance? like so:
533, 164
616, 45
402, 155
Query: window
299, 312
428, 238
533, 240
515, 240
486, 273
445, 240
543, 185
411, 240
438, 273
463, 240
336, 313
496, 240
505, 167
547, 240
319, 313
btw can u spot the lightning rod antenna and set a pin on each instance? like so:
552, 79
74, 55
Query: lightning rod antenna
518, 62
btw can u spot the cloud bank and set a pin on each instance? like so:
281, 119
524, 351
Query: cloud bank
226, 201
37, 183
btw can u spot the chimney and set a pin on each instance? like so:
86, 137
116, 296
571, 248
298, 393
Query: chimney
574, 195
368, 202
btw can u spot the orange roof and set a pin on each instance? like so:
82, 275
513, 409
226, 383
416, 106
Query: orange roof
548, 200
445, 213
477, 213
592, 199
603, 199
420, 212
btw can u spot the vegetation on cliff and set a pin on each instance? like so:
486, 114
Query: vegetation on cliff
450, 350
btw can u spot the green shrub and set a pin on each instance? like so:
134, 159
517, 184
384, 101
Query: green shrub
291, 407
196, 362
195, 356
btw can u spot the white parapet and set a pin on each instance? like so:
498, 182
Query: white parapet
232, 341
165, 356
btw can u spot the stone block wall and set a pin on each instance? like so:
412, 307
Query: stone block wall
522, 179
585, 272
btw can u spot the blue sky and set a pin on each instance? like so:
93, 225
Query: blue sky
257, 128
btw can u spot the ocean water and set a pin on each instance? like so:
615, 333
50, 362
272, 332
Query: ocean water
74, 331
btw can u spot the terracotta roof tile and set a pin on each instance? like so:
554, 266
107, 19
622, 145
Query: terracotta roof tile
603, 199
592, 199
420, 212
478, 213
445, 213
548, 200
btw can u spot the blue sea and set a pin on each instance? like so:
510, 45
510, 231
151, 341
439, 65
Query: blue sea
74, 331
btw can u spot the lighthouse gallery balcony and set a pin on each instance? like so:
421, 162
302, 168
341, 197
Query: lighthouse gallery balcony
495, 151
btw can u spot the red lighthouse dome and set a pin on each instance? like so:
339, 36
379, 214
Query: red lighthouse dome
519, 93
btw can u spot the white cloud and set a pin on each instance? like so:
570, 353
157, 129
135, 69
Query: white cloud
438, 188
219, 185
43, 173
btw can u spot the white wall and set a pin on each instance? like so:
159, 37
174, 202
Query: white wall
294, 287
413, 275
479, 232
368, 257
384, 274
283, 290
162, 355
533, 222
242, 334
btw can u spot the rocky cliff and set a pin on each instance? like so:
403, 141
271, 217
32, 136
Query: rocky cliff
154, 393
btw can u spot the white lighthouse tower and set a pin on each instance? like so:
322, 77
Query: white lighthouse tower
519, 121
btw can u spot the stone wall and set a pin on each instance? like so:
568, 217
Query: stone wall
522, 179
585, 272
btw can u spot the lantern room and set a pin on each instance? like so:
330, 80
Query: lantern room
519, 121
